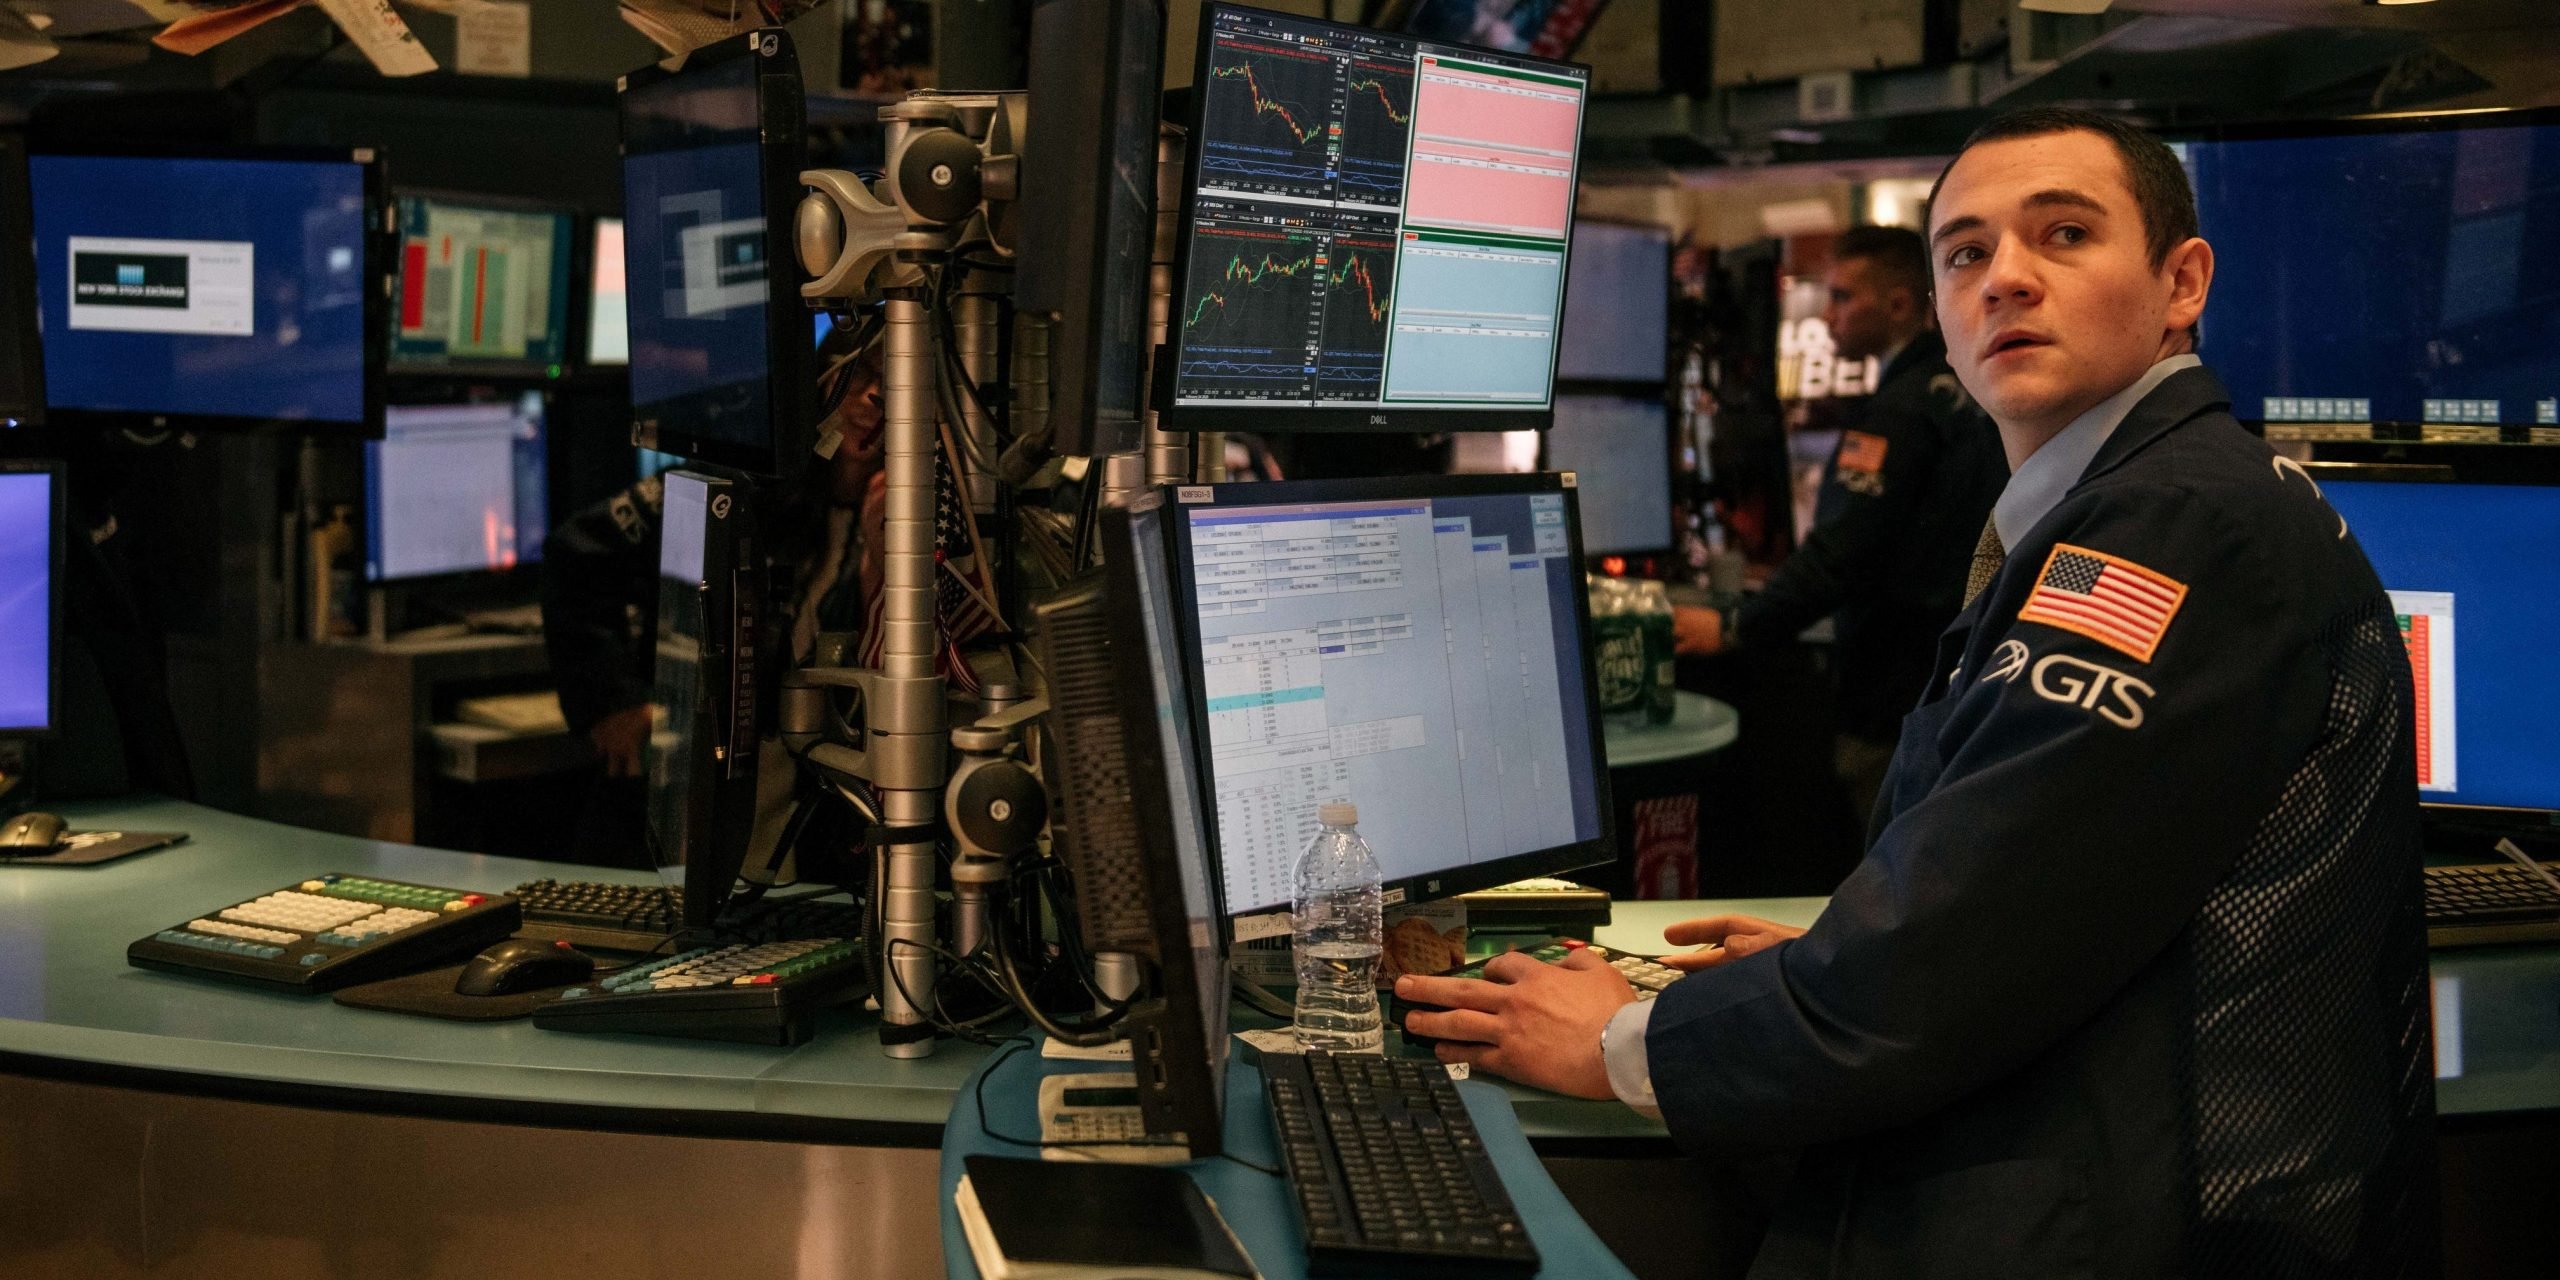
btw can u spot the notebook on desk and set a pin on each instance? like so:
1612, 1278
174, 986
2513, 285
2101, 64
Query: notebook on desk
1036, 1220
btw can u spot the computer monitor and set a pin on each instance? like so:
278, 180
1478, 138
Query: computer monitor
608, 309
721, 366
1089, 177
1617, 309
21, 350
701, 764
2474, 575
1375, 232
31, 538
1418, 646
456, 488
2395, 272
1619, 449
484, 285
209, 291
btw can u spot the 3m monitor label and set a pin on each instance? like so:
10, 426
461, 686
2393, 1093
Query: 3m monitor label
163, 286
2426, 627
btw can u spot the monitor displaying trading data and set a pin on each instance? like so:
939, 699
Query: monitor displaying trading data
1619, 449
1416, 647
2474, 576
481, 285
1378, 226
455, 488
232, 291
608, 307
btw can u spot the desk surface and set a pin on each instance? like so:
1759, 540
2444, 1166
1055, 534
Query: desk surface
1258, 1205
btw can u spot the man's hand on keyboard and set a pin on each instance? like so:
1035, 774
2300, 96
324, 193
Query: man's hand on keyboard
1526, 1020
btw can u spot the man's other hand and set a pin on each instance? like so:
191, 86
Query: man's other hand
1695, 631
618, 739
1526, 1020
1724, 938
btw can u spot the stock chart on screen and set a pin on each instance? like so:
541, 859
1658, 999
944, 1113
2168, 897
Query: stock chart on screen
1375, 221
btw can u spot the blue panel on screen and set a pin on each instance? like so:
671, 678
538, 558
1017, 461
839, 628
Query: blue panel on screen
2409, 276
2480, 564
214, 288
26, 601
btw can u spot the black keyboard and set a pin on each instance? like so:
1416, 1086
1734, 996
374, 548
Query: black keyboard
330, 931
759, 993
1390, 1177
603, 917
2492, 903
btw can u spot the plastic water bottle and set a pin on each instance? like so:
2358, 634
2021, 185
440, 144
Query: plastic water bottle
1337, 926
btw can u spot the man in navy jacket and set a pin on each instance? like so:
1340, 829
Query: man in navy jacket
2131, 981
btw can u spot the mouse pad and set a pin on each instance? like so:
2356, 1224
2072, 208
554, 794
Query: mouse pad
430, 995
89, 848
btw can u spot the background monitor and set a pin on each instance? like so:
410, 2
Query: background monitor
1418, 646
482, 285
2474, 576
30, 596
212, 291
720, 354
1090, 180
608, 310
1617, 309
1619, 448
21, 351
455, 488
2403, 273
701, 762
1375, 233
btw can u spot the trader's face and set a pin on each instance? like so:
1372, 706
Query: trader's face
2045, 287
1863, 310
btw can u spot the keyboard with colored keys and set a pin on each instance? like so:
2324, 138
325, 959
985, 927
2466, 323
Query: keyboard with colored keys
330, 931
761, 993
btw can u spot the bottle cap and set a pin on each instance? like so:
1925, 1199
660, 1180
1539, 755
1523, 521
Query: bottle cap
1339, 813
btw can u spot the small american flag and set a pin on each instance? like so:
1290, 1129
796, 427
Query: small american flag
2111, 600
1860, 451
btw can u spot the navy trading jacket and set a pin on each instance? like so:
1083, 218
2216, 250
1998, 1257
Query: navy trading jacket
2132, 979
1903, 499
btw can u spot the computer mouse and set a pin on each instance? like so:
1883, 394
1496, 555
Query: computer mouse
32, 831
522, 964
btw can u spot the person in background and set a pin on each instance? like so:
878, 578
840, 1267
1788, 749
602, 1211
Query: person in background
1903, 497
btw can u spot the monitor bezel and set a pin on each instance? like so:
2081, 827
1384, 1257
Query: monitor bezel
405, 397
719, 816
400, 368
58, 480
1265, 419
790, 375
2440, 815
17, 226
371, 164
1447, 882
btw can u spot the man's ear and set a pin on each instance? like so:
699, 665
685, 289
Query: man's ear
2189, 268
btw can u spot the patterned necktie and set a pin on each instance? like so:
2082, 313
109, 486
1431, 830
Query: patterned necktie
1988, 555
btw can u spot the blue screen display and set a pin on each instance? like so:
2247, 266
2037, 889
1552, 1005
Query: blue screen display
2480, 565
2394, 277
26, 601
217, 288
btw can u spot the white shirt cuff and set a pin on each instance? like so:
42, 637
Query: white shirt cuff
1623, 1053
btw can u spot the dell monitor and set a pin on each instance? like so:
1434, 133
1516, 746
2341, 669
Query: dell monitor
207, 291
2399, 272
701, 761
21, 350
455, 488
1417, 646
31, 524
1375, 232
2474, 576
483, 286
1619, 449
1617, 309
721, 368
608, 309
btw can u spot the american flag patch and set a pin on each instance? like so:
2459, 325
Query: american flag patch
2111, 600
1860, 451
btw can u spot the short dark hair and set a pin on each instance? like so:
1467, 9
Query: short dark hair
1898, 252
2159, 182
